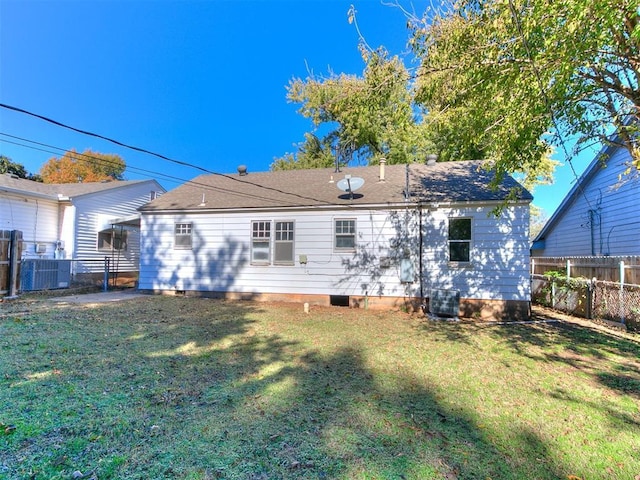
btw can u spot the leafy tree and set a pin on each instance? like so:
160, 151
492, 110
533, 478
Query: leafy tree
9, 166
88, 166
367, 117
497, 76
314, 152
379, 115
537, 220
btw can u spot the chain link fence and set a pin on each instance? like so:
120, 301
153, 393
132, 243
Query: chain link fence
593, 299
613, 301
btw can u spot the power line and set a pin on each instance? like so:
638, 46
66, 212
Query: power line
149, 173
158, 155
57, 150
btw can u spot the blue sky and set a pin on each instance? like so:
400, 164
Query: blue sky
201, 82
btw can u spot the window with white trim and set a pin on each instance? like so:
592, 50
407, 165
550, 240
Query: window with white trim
345, 234
272, 242
261, 242
183, 237
283, 244
460, 240
114, 239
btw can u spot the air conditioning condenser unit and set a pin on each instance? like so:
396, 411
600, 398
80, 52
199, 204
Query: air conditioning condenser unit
444, 303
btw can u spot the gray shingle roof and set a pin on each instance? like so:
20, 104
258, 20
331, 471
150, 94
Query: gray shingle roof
55, 190
442, 182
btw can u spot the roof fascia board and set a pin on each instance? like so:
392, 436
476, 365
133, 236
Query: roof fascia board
130, 183
314, 208
317, 208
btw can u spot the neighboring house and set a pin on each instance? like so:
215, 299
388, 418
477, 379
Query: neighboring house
408, 233
77, 221
599, 216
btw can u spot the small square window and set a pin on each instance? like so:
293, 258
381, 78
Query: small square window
115, 239
345, 234
183, 239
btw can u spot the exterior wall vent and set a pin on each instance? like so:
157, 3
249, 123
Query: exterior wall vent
339, 300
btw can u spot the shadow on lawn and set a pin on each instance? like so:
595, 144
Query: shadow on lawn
335, 420
609, 359
210, 395
257, 406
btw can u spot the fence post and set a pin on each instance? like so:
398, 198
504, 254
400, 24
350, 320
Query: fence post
621, 293
533, 266
568, 268
14, 261
591, 285
105, 285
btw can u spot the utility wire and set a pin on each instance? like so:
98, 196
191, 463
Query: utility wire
148, 152
149, 173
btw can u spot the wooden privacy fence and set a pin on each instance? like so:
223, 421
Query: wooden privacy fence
10, 253
607, 269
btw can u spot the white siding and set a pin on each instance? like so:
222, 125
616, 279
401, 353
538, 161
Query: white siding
613, 227
499, 257
90, 214
220, 257
37, 218
67, 231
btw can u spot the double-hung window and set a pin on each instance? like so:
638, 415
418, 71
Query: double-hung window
460, 240
283, 244
183, 236
272, 242
345, 234
261, 243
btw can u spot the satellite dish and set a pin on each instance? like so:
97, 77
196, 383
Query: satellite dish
350, 184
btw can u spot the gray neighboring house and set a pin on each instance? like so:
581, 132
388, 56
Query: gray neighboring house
77, 221
411, 233
600, 216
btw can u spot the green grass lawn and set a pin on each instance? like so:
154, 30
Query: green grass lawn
170, 387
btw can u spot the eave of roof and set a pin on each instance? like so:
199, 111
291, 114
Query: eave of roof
61, 191
18, 191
